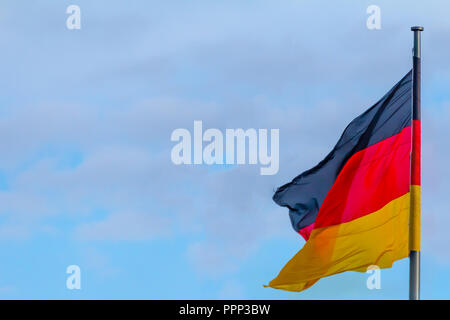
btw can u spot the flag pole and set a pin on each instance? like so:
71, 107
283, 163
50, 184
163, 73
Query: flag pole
414, 256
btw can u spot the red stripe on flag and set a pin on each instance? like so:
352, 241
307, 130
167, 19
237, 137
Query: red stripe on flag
306, 231
370, 179
415, 174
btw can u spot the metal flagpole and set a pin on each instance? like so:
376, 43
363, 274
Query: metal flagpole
414, 256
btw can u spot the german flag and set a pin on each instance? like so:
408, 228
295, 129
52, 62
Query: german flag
353, 208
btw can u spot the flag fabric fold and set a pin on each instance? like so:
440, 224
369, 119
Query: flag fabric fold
353, 207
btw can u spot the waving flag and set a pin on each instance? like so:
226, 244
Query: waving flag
353, 208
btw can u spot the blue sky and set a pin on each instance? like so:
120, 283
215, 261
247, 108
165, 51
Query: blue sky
86, 117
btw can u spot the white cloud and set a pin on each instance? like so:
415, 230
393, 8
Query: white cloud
125, 227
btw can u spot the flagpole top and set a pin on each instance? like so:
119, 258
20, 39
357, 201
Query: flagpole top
416, 48
417, 28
